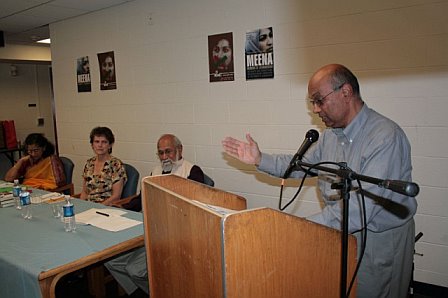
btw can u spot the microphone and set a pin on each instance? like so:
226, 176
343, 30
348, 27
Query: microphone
311, 136
409, 189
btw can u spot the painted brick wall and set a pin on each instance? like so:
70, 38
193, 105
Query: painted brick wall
398, 50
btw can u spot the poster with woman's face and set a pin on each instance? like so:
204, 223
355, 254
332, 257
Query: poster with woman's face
220, 57
83, 74
260, 54
107, 71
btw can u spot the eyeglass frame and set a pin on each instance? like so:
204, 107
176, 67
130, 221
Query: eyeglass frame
167, 151
35, 150
320, 102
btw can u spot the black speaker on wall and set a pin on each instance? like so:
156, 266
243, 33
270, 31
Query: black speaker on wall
2, 39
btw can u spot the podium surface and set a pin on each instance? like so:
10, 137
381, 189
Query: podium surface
203, 242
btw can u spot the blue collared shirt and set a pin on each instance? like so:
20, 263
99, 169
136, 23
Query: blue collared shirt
371, 145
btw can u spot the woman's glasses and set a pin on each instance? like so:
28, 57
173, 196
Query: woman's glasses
33, 150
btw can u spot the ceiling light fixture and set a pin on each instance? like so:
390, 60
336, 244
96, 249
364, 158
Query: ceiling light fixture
44, 41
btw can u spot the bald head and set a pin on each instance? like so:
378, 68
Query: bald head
336, 75
334, 94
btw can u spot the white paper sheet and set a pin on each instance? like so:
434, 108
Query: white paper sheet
113, 222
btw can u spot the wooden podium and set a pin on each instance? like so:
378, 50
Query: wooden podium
197, 249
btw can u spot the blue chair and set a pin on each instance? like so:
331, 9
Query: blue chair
208, 181
68, 188
130, 188
129, 196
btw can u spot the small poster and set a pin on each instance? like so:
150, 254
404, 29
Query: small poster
107, 71
220, 57
83, 74
259, 54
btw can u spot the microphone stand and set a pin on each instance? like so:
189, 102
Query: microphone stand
347, 175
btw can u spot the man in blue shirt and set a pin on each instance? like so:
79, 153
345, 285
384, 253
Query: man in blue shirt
371, 145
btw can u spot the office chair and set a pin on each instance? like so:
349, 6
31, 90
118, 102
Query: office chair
133, 202
130, 188
68, 188
208, 181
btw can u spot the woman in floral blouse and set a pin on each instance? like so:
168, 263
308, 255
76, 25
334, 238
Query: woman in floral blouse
104, 175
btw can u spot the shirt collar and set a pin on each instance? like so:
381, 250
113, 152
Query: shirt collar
355, 126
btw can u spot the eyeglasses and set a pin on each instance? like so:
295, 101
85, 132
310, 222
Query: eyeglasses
315, 100
35, 150
166, 152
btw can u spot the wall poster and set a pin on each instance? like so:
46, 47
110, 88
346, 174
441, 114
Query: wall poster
83, 74
107, 71
260, 54
220, 57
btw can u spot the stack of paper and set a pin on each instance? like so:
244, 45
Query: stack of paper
6, 187
6, 200
107, 219
49, 197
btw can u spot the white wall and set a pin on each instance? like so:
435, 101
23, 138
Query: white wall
31, 85
398, 50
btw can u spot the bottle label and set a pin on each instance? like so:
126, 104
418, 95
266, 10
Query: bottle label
25, 198
69, 210
16, 191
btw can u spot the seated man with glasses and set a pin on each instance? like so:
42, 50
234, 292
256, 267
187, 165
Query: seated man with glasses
130, 269
169, 151
39, 168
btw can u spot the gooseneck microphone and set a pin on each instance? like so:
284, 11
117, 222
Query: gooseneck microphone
311, 136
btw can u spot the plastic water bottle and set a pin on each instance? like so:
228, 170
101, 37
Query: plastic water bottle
69, 215
25, 201
16, 193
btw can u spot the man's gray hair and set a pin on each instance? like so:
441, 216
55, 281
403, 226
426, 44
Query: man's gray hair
177, 142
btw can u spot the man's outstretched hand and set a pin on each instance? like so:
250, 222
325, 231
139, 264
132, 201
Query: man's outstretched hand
247, 152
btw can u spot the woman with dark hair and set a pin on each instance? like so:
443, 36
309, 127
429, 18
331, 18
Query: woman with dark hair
104, 175
39, 168
259, 41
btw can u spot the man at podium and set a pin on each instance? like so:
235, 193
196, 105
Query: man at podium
371, 145
130, 269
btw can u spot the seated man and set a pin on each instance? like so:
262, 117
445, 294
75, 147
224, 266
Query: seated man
130, 269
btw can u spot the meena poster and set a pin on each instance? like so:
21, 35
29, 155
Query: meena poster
83, 74
259, 54
107, 71
220, 57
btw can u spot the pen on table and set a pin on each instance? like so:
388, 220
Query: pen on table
105, 214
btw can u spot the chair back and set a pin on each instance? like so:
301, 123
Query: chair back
68, 168
208, 181
68, 188
130, 188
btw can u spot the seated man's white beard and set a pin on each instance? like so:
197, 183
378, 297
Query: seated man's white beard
168, 164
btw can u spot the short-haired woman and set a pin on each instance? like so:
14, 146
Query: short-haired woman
104, 175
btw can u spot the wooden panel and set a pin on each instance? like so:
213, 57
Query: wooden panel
272, 254
193, 190
196, 252
183, 240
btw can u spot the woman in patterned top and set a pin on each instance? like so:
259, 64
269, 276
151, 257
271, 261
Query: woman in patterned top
104, 175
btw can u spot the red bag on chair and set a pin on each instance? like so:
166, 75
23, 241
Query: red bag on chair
2, 136
10, 134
